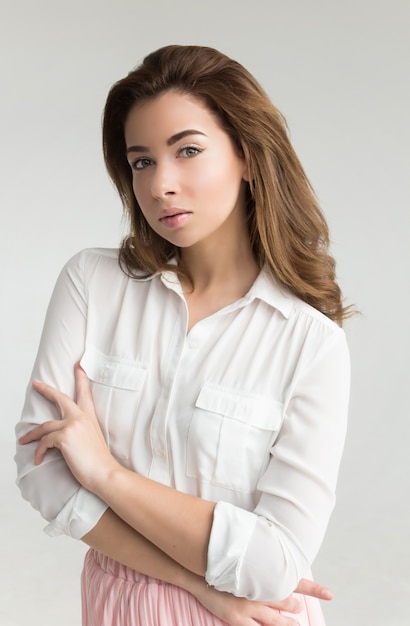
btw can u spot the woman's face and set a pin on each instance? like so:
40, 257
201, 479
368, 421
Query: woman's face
188, 178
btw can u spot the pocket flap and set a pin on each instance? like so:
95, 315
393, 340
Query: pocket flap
113, 371
254, 409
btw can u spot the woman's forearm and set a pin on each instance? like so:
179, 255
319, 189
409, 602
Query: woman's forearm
177, 523
116, 539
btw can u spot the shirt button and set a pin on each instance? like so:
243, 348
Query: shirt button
104, 373
193, 344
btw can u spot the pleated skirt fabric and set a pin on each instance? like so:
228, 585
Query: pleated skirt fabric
116, 595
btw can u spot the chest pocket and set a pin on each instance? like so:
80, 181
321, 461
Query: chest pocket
230, 435
116, 386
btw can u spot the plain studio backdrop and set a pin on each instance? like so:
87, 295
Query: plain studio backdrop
339, 71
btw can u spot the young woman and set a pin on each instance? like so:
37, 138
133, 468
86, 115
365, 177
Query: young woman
188, 409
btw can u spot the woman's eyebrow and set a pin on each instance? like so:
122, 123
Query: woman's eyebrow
170, 141
183, 134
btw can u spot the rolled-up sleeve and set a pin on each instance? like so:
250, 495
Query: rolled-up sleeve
262, 554
50, 487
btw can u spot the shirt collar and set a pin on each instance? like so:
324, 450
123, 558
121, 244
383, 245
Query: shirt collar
265, 288
271, 291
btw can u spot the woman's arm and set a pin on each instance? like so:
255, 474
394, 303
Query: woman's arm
114, 538
177, 523
51, 488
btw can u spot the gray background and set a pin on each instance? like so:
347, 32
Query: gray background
340, 73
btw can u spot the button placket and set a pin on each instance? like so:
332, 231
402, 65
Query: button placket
160, 460
193, 340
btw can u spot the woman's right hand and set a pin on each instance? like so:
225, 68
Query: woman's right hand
242, 612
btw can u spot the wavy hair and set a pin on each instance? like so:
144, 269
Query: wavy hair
288, 232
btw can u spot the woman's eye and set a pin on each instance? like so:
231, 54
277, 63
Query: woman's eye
141, 163
189, 151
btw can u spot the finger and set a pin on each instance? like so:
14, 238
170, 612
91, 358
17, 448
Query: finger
63, 403
291, 605
50, 393
46, 434
46, 443
311, 588
40, 431
269, 617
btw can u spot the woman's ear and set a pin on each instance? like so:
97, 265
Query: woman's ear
246, 172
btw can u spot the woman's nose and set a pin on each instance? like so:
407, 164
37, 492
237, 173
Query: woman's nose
164, 180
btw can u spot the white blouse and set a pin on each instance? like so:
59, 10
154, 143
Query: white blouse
247, 410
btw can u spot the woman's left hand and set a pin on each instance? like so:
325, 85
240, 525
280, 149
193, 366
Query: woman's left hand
77, 434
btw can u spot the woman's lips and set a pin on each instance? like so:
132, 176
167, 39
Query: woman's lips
174, 220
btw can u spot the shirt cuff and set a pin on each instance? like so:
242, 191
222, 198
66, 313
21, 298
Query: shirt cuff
78, 516
231, 531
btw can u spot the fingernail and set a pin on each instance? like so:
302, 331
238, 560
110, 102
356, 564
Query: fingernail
327, 594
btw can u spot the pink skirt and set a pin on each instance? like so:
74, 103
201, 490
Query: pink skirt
116, 595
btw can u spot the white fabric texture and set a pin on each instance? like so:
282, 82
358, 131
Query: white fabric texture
247, 410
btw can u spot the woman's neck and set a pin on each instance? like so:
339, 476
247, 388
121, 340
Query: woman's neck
211, 266
220, 275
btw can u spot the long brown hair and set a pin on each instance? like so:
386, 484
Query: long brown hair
287, 229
